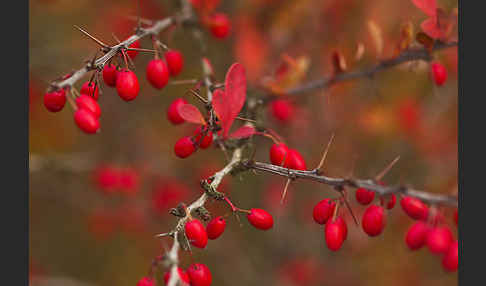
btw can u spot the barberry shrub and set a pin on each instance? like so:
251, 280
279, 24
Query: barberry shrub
242, 93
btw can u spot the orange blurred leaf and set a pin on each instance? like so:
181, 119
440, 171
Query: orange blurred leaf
377, 36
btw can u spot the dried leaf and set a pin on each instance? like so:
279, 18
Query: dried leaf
406, 38
377, 36
338, 62
191, 114
427, 6
243, 132
360, 49
229, 103
425, 40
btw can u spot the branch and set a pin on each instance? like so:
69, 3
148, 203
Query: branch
406, 56
173, 255
110, 52
339, 183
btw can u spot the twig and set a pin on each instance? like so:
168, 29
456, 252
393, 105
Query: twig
340, 183
406, 56
217, 177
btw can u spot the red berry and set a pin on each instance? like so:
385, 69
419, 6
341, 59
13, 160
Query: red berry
392, 200
157, 73
199, 275
87, 102
182, 276
86, 121
456, 214
323, 211
450, 261
439, 73
295, 160
415, 208
417, 235
439, 239
173, 113
260, 219
335, 233
127, 85
219, 25
146, 281
129, 181
196, 233
107, 178
135, 45
54, 101
90, 89
342, 222
215, 227
374, 220
184, 147
278, 153
282, 110
206, 141
109, 74
175, 62
364, 196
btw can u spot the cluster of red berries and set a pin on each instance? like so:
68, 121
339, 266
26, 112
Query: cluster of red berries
439, 73
202, 137
197, 274
335, 230
281, 155
426, 231
124, 80
158, 70
112, 179
198, 235
431, 231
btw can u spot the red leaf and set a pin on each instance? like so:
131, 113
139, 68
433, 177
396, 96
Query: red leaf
427, 6
431, 28
243, 132
190, 113
229, 103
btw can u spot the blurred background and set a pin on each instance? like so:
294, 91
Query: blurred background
96, 201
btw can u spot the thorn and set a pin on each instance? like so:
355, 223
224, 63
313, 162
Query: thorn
387, 169
245, 119
184, 81
325, 152
350, 210
92, 38
284, 194
198, 96
141, 50
163, 234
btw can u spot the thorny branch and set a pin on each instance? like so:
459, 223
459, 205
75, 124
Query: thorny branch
405, 56
235, 161
111, 52
340, 183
